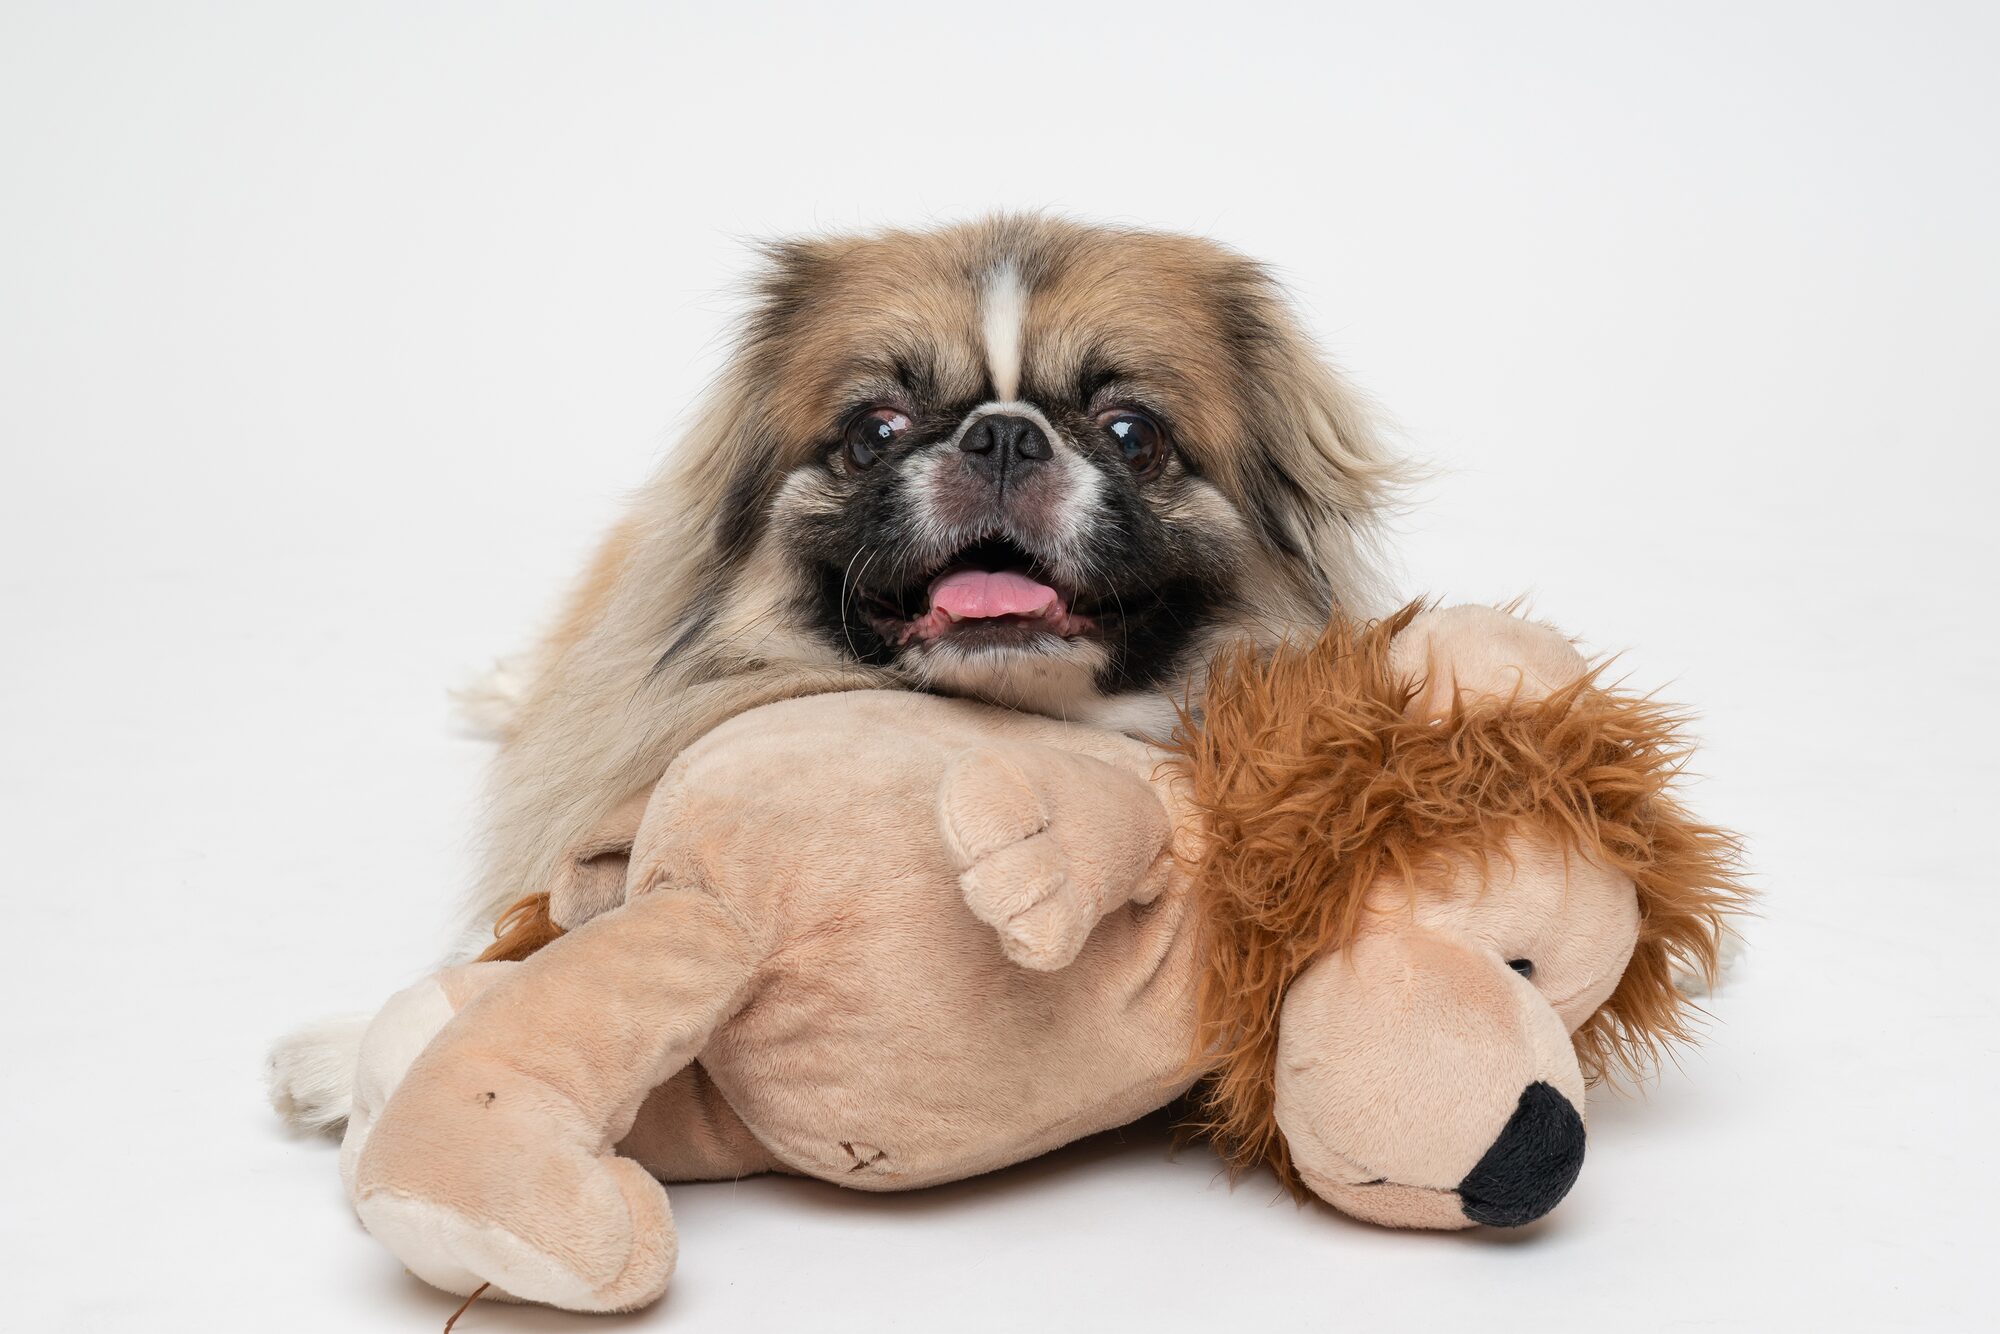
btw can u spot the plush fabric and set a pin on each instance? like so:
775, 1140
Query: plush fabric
889, 940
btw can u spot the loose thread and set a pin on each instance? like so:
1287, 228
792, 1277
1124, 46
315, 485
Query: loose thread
462, 1306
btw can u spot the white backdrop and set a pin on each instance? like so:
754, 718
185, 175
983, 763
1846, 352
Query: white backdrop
329, 336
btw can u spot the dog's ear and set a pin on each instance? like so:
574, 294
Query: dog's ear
1318, 478
797, 276
633, 643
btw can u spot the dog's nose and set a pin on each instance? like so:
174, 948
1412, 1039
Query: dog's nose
1001, 441
1531, 1166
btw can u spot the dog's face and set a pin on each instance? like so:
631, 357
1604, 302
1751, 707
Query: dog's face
1038, 463
1042, 464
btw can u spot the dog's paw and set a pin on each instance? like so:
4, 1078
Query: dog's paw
488, 704
309, 1073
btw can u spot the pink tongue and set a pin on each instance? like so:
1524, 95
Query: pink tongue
973, 594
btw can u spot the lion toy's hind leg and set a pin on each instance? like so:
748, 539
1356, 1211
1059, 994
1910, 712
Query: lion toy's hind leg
486, 1152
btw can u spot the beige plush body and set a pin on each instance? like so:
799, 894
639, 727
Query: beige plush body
812, 944
889, 940
847, 916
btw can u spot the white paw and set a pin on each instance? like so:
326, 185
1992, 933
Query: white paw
488, 703
1728, 964
310, 1072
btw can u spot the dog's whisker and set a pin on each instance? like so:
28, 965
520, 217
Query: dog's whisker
847, 624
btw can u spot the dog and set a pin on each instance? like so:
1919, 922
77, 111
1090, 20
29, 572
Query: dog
1045, 464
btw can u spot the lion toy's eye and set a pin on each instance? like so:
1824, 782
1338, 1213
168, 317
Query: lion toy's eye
1525, 967
1139, 438
869, 434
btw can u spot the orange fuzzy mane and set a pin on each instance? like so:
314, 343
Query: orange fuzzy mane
1314, 785
521, 931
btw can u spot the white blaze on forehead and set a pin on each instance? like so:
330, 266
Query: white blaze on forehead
1003, 308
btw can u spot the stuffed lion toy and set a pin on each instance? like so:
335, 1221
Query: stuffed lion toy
1383, 906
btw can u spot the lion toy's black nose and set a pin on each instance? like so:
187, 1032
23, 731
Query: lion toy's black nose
1531, 1166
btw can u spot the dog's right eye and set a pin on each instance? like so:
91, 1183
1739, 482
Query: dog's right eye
870, 433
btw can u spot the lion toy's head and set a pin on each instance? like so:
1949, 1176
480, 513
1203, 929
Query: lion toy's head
1446, 885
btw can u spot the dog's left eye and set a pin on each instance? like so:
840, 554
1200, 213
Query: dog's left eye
869, 434
1138, 437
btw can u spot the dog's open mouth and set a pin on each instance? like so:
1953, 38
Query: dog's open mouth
991, 593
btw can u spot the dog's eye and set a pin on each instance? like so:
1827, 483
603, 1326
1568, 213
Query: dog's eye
869, 434
1138, 437
1525, 967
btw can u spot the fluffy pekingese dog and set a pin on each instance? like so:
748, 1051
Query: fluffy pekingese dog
1024, 460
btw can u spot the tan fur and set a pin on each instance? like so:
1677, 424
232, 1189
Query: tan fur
1318, 781
1275, 430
